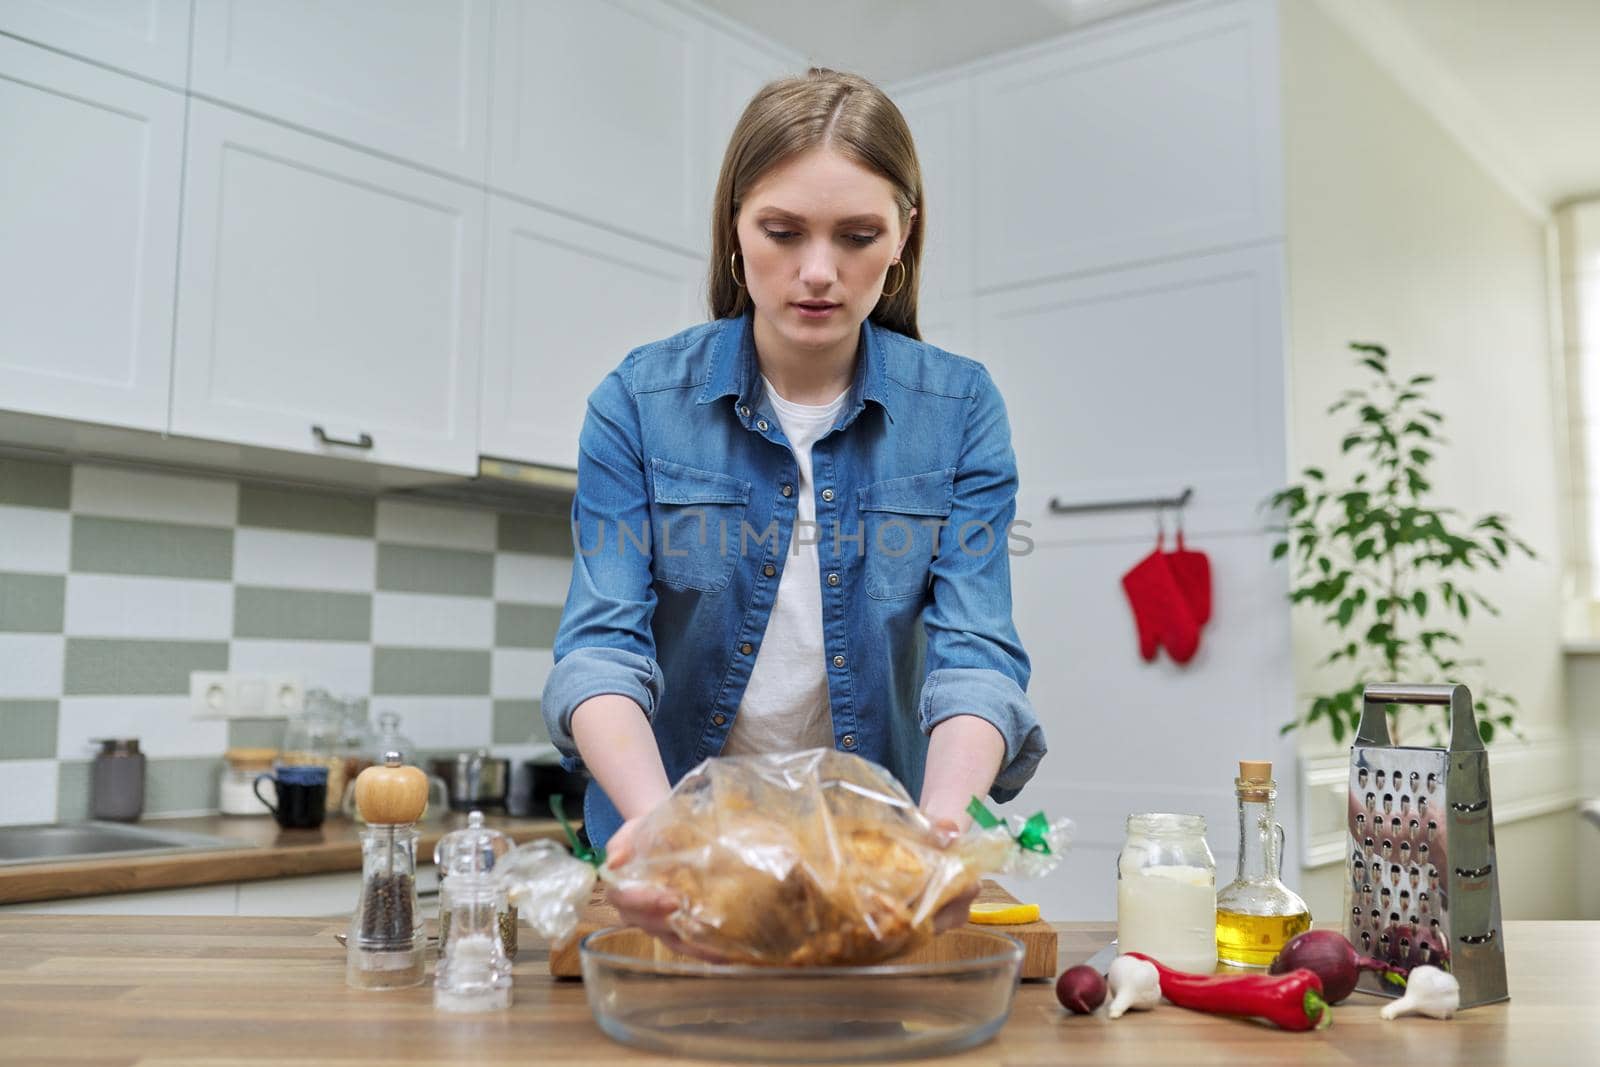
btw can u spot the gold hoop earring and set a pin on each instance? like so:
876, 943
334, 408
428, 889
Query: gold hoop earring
903, 272
733, 269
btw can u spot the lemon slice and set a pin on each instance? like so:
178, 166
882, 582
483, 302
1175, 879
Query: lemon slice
1004, 914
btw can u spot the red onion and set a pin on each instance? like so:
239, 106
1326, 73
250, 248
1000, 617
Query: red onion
1333, 958
1081, 989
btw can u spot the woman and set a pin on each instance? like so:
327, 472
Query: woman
792, 521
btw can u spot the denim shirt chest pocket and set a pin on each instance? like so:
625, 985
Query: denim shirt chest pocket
901, 529
695, 522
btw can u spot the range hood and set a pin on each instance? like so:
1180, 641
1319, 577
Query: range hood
506, 485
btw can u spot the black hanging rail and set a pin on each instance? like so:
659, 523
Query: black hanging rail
1058, 508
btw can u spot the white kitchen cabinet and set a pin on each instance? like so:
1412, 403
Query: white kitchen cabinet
221, 899
1137, 383
89, 186
145, 37
313, 894
329, 299
739, 64
1124, 145
304, 895
599, 111
318, 894
566, 302
947, 323
405, 77
1169, 735
941, 121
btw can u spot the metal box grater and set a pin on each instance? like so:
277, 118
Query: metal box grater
1422, 885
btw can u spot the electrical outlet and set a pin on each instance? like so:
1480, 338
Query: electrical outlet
210, 694
286, 696
223, 695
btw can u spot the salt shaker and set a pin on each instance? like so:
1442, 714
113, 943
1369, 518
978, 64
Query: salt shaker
474, 972
384, 949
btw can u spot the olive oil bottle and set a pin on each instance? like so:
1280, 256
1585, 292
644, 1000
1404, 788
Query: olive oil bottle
1256, 912
1255, 940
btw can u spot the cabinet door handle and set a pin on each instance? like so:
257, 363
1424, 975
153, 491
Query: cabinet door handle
362, 442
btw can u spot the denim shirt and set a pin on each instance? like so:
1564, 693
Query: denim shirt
682, 524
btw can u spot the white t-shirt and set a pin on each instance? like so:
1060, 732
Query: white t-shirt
785, 707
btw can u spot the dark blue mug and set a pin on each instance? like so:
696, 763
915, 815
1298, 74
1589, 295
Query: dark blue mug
302, 795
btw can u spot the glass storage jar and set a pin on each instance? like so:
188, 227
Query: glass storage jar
354, 745
1167, 892
236, 792
311, 739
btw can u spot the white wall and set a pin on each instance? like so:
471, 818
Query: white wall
1396, 235
1578, 263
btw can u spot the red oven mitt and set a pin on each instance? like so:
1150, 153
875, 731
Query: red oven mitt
1160, 611
1192, 571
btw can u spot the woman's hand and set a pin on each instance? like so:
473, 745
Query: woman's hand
647, 907
955, 912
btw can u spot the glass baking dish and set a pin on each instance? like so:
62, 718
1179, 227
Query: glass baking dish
957, 997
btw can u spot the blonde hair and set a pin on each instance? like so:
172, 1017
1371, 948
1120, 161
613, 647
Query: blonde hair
793, 115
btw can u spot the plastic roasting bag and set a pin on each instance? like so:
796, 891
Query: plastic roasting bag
796, 859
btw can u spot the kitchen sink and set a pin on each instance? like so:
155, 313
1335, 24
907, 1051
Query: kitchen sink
87, 840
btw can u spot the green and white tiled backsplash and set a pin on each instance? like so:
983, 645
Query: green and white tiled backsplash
115, 584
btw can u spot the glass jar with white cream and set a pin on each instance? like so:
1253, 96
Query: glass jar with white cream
1167, 892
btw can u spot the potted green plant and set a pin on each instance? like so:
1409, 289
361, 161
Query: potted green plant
1385, 566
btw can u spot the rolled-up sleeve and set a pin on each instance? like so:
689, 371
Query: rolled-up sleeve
604, 644
976, 663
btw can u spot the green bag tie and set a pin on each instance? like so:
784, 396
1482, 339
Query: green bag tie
1031, 836
594, 856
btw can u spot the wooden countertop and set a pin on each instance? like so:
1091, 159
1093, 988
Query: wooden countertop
146, 991
265, 851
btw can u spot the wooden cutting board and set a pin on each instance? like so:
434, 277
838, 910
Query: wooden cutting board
1038, 939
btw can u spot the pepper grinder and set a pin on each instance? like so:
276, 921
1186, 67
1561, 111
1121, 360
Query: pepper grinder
474, 972
384, 949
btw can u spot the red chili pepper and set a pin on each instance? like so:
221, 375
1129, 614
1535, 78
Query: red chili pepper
1292, 1001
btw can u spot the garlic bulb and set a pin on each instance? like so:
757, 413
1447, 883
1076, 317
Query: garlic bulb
1133, 983
1429, 991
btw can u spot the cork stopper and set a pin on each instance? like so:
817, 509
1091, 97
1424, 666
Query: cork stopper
1255, 780
250, 759
391, 792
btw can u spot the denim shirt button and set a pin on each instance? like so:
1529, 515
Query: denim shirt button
746, 648
744, 409
788, 490
718, 719
761, 424
838, 661
769, 570
848, 740
827, 494
833, 579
